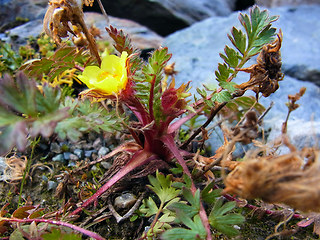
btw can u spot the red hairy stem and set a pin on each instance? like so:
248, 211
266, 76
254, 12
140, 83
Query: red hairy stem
54, 222
138, 109
168, 140
138, 159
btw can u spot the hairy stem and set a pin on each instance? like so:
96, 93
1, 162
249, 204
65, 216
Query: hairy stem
28, 166
169, 142
138, 159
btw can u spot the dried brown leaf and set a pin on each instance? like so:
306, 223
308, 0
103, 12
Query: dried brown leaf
279, 179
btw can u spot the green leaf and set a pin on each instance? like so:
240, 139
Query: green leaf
238, 39
223, 72
194, 201
230, 86
223, 96
196, 229
149, 207
161, 185
231, 58
209, 195
222, 221
63, 59
85, 117
149, 82
26, 111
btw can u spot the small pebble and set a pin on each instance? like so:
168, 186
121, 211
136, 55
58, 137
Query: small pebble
126, 200
103, 151
66, 155
59, 158
106, 165
96, 143
78, 152
71, 164
52, 185
73, 157
88, 153
94, 169
55, 147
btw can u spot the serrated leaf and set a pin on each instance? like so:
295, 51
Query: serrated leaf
223, 72
84, 117
196, 231
231, 58
63, 59
194, 201
230, 86
122, 41
149, 207
25, 110
209, 195
238, 39
161, 185
223, 96
223, 222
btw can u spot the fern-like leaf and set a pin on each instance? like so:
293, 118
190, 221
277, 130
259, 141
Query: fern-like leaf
63, 59
84, 117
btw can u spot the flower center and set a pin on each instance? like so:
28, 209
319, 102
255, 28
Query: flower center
102, 76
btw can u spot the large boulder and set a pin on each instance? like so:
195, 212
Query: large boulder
196, 53
141, 36
166, 16
277, 3
15, 12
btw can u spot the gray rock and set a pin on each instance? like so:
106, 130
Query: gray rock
141, 36
71, 164
3, 166
59, 158
55, 147
166, 16
78, 152
125, 200
196, 53
103, 151
66, 155
301, 45
193, 11
276, 3
11, 10
88, 153
52, 185
106, 165
73, 157
196, 49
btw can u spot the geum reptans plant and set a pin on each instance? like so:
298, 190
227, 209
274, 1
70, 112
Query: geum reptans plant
156, 104
155, 110
160, 108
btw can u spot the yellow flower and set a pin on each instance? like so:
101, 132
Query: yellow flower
110, 79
